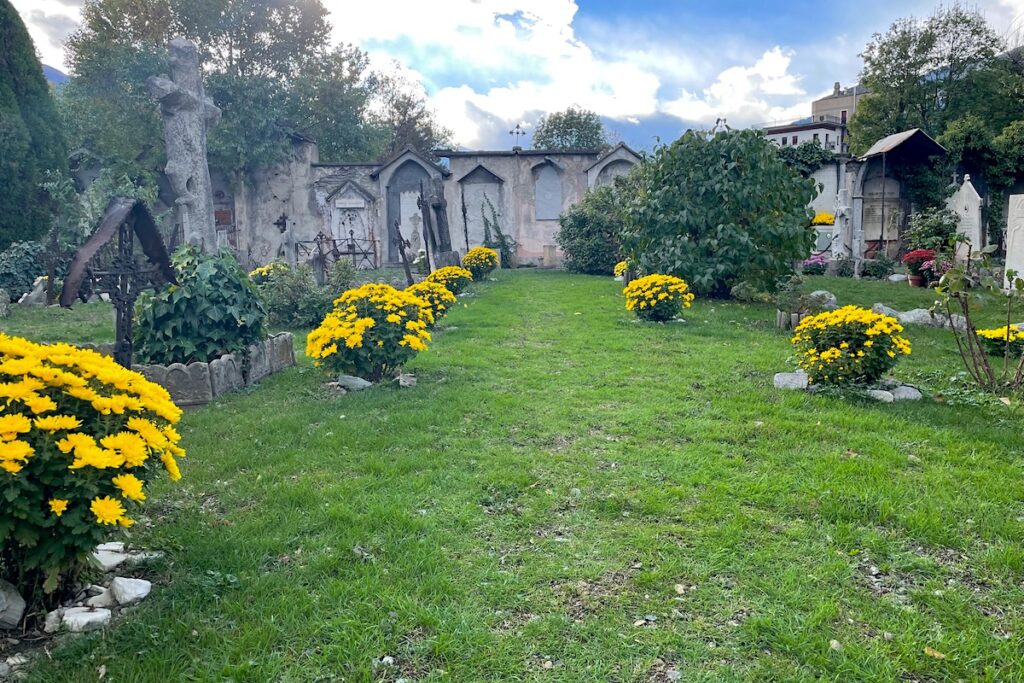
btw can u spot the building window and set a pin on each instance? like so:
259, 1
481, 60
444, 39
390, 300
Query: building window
816, 137
547, 193
783, 140
794, 139
826, 138
842, 116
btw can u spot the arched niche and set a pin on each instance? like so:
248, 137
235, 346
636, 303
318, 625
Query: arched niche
403, 191
547, 187
481, 191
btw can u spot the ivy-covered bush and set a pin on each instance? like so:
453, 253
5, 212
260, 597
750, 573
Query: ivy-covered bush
454, 278
437, 297
372, 331
720, 208
80, 436
213, 310
589, 233
480, 261
931, 228
20, 265
658, 297
849, 345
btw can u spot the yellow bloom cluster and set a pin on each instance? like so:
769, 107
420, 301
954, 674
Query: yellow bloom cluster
995, 340
480, 261
271, 269
848, 345
823, 218
437, 297
372, 330
454, 278
620, 268
658, 297
69, 419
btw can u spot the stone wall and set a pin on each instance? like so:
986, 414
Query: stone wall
197, 384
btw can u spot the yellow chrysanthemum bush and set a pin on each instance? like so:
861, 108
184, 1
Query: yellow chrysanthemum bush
658, 297
620, 268
263, 274
454, 278
372, 332
823, 218
480, 261
1002, 340
437, 297
80, 436
849, 345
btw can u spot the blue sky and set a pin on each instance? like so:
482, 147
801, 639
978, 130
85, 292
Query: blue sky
651, 68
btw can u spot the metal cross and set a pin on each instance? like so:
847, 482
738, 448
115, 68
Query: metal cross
123, 282
517, 132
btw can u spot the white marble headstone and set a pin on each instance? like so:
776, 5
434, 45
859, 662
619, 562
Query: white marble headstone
966, 203
1015, 236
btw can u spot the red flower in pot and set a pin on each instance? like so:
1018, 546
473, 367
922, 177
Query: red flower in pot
919, 262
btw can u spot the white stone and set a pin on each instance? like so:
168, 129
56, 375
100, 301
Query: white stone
966, 204
112, 546
127, 591
918, 316
791, 380
81, 619
406, 380
52, 622
880, 395
906, 393
104, 599
37, 297
897, 277
109, 560
350, 383
882, 309
12, 605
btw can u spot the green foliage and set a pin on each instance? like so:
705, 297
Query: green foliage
20, 264
496, 238
931, 228
718, 209
31, 138
879, 267
589, 232
214, 309
293, 298
924, 73
574, 128
807, 157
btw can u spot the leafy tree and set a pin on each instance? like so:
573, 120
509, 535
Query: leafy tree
807, 157
589, 232
405, 120
574, 128
31, 139
718, 209
925, 73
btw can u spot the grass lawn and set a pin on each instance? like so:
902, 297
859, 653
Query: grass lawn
571, 495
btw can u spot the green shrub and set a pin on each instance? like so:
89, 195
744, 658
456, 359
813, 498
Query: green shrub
931, 228
214, 309
292, 296
589, 233
879, 267
845, 267
718, 209
20, 265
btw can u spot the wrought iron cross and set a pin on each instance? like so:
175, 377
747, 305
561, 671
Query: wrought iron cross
518, 132
123, 282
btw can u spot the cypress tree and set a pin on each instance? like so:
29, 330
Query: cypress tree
31, 139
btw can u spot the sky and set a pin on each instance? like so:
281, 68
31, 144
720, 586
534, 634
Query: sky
650, 68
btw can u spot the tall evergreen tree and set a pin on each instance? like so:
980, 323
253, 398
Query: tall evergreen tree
31, 141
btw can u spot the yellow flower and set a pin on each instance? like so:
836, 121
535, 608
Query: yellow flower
130, 486
107, 510
58, 506
12, 425
55, 423
171, 465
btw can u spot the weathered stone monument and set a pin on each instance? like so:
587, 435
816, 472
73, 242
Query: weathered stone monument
841, 230
1015, 236
966, 203
188, 114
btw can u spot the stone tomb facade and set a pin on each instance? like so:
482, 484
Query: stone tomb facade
277, 213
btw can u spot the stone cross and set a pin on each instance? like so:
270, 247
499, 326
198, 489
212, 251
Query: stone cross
188, 114
966, 203
1015, 236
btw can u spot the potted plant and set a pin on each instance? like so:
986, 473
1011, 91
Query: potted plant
919, 263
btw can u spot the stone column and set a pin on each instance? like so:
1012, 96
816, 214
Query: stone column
188, 113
